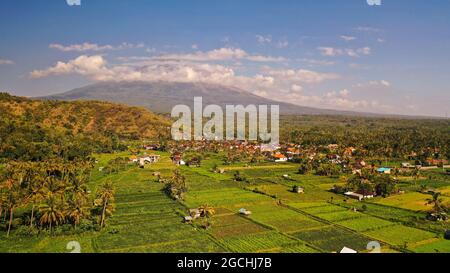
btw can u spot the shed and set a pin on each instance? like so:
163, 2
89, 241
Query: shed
298, 189
245, 212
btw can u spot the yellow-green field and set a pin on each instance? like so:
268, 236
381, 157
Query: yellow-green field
411, 201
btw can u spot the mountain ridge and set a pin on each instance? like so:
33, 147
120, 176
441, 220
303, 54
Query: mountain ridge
161, 96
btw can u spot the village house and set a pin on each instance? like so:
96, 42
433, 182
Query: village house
291, 152
148, 159
334, 158
279, 157
177, 160
359, 195
384, 170
349, 151
151, 147
436, 162
134, 159
269, 147
407, 165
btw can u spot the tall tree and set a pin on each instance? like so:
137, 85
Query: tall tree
105, 199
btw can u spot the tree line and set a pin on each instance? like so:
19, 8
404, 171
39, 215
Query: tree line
43, 196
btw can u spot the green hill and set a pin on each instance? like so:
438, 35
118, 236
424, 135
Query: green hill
35, 129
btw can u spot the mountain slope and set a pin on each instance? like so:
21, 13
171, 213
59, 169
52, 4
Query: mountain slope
162, 96
36, 129
86, 116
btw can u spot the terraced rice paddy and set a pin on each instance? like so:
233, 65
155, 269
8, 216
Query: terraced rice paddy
146, 220
400, 235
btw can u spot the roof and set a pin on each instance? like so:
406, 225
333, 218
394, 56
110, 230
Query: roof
348, 250
279, 156
383, 169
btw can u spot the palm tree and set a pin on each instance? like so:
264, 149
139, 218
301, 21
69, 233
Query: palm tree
105, 198
206, 211
437, 202
12, 199
35, 191
51, 211
77, 209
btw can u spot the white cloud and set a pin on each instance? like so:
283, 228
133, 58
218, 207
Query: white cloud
221, 54
303, 75
348, 38
385, 83
264, 39
6, 62
94, 47
313, 62
282, 44
344, 93
96, 68
367, 29
335, 100
194, 46
296, 88
382, 83
365, 50
330, 51
91, 66
333, 52
381, 40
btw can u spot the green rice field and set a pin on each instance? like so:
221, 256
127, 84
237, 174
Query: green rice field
147, 220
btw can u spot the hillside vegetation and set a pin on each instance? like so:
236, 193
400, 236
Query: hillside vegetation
37, 130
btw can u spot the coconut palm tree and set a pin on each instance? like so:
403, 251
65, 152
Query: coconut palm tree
105, 198
35, 188
437, 202
12, 199
206, 211
34, 197
77, 209
52, 211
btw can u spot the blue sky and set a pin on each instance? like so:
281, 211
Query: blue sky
392, 58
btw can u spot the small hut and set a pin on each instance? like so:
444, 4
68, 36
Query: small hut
245, 212
297, 189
